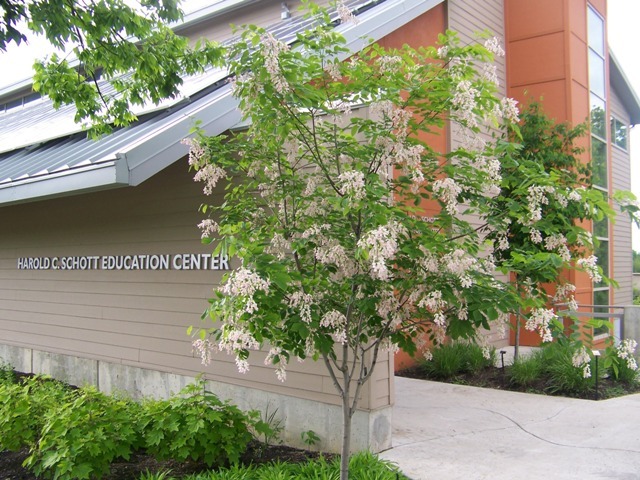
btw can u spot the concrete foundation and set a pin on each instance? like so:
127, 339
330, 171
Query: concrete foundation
370, 429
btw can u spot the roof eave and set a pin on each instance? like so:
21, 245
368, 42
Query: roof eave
103, 176
621, 84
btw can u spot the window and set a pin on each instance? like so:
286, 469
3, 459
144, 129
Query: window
601, 292
619, 133
599, 170
597, 100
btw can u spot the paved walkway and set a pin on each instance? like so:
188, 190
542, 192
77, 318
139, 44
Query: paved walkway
451, 432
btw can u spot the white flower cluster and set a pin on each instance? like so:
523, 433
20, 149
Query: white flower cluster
382, 245
351, 184
434, 303
565, 293
493, 45
535, 235
210, 175
303, 302
206, 172
336, 321
204, 348
447, 191
271, 49
385, 111
208, 227
539, 320
625, 351
464, 100
279, 246
536, 197
590, 265
345, 14
460, 263
389, 63
196, 151
245, 283
328, 251
389, 308
581, 359
333, 70
509, 109
558, 242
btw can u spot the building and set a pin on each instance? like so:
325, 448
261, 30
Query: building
101, 267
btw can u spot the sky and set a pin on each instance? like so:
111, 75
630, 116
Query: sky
623, 17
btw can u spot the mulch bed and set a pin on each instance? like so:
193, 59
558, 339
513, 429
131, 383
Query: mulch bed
497, 378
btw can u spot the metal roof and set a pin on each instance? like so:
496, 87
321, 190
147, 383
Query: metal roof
45, 154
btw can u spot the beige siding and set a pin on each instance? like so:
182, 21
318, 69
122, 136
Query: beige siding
469, 17
621, 229
137, 318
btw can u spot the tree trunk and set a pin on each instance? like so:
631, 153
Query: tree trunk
516, 347
346, 427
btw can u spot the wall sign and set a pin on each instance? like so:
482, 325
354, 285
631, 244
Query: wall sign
179, 261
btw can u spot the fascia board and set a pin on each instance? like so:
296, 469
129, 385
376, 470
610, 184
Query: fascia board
95, 177
163, 146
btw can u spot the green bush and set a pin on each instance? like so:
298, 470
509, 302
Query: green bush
450, 360
23, 408
526, 371
195, 425
84, 435
362, 466
7, 374
562, 376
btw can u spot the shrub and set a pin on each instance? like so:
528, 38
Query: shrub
620, 362
23, 409
196, 425
526, 371
562, 375
448, 360
84, 435
7, 374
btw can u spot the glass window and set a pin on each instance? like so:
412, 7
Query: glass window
601, 297
596, 31
598, 119
599, 163
619, 133
602, 252
601, 228
596, 74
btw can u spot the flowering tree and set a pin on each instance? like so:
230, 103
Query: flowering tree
545, 198
545, 202
347, 223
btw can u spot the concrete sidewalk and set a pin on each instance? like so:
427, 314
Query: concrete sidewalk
451, 432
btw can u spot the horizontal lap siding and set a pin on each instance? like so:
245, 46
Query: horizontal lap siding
135, 317
469, 17
621, 180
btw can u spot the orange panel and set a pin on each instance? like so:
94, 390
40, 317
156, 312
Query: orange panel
537, 59
551, 94
579, 104
578, 18
579, 61
422, 31
532, 18
600, 6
